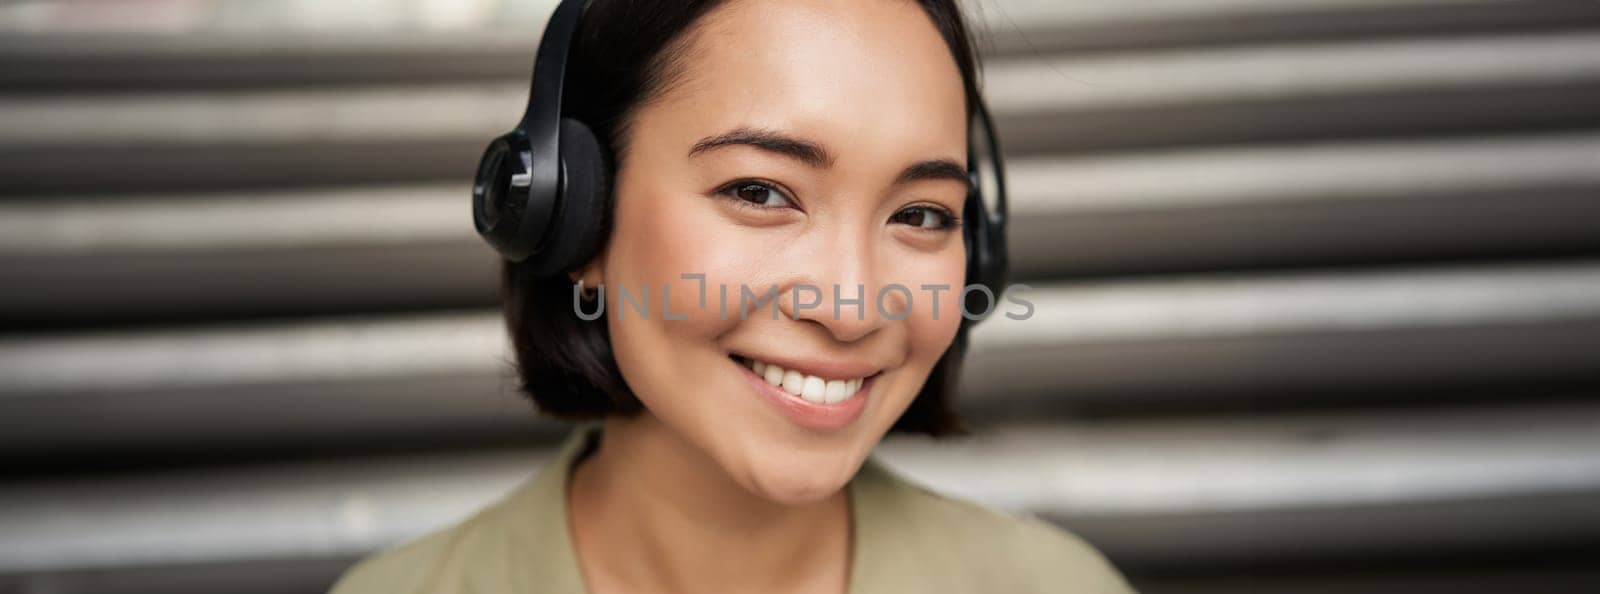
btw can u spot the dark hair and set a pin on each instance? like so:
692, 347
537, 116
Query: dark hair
627, 53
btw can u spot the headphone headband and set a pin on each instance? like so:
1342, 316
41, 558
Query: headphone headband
986, 250
550, 73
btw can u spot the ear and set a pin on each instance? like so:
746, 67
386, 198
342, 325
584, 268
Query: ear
591, 273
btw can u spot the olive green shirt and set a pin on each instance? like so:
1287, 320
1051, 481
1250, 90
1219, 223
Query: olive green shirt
906, 540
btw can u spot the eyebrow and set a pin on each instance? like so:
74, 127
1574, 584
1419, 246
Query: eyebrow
815, 155
935, 169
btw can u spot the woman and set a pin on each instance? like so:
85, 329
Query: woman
758, 146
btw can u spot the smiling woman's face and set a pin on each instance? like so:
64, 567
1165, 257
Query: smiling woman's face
817, 143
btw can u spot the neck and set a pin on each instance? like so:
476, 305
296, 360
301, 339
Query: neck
651, 512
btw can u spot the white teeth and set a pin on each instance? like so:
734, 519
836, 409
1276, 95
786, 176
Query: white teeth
814, 389
793, 382
809, 387
835, 391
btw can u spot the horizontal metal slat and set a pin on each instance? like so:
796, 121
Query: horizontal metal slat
1031, 26
54, 63
1309, 204
1271, 336
1067, 83
1403, 87
310, 116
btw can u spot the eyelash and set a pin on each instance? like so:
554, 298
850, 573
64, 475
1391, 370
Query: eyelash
729, 191
948, 219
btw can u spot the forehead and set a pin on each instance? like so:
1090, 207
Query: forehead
864, 77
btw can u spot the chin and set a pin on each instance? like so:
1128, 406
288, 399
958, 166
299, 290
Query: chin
799, 477
785, 458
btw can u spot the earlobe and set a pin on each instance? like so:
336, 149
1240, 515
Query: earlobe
591, 274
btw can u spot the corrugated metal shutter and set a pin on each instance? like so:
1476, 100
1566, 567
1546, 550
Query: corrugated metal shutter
1318, 291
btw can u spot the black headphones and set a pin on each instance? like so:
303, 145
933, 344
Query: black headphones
540, 188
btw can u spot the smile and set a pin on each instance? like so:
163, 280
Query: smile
821, 395
811, 388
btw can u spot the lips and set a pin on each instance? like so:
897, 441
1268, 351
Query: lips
811, 401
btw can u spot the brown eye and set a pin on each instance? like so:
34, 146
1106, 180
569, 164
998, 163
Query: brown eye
924, 217
758, 194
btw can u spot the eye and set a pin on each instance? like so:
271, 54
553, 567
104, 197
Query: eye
757, 194
932, 218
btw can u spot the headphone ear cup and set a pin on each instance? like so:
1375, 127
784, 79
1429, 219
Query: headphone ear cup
498, 207
585, 193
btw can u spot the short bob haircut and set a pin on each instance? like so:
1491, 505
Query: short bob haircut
627, 53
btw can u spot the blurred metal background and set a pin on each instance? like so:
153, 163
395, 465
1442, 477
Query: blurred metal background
1318, 290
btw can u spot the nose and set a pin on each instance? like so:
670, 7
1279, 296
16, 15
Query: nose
838, 290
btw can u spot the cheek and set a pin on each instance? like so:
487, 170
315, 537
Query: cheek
666, 352
930, 328
679, 246
935, 312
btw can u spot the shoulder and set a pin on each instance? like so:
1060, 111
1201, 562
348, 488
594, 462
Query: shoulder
441, 562
402, 569
1031, 554
986, 548
519, 543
